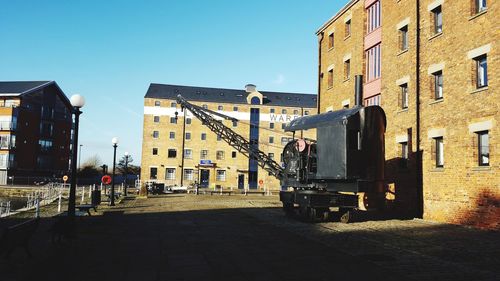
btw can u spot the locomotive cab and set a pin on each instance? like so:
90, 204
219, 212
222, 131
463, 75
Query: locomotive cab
348, 154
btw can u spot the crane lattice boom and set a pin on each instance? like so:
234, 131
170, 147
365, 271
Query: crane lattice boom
231, 137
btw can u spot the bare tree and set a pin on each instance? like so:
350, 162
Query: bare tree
93, 161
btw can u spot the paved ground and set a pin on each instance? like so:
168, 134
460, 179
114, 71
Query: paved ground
188, 237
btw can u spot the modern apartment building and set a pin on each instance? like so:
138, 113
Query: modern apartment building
35, 129
177, 149
432, 66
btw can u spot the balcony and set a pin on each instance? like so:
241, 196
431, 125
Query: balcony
7, 142
8, 126
5, 163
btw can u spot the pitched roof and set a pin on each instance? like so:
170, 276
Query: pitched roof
16, 88
162, 91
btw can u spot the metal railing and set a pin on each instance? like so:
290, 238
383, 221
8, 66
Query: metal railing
44, 196
4, 209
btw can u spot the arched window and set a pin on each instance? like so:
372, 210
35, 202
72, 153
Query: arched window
255, 100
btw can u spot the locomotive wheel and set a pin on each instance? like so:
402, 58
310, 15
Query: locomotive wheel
312, 214
323, 214
346, 215
307, 214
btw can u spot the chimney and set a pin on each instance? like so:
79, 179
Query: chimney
358, 90
249, 88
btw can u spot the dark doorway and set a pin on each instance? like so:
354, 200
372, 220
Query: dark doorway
205, 178
241, 181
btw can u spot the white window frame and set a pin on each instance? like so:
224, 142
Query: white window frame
168, 174
483, 160
481, 71
404, 95
188, 153
188, 175
438, 85
437, 14
204, 154
221, 175
439, 147
481, 5
220, 155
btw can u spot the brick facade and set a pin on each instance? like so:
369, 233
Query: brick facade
36, 124
461, 191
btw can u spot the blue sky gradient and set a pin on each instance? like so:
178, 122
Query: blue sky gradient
110, 51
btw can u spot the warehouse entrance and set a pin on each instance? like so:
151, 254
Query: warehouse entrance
241, 181
204, 178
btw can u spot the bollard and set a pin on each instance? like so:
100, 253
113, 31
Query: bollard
59, 203
37, 206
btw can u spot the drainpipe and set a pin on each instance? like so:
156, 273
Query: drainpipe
183, 144
419, 179
322, 34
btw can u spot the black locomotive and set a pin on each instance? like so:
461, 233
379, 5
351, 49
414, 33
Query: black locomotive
345, 161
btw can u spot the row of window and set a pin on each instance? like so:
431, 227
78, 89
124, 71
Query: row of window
437, 81
373, 55
373, 21
203, 136
482, 150
373, 66
347, 33
221, 108
219, 155
188, 153
188, 174
437, 14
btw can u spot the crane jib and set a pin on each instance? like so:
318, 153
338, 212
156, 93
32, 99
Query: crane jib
231, 137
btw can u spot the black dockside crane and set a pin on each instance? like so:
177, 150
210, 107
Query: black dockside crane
231, 137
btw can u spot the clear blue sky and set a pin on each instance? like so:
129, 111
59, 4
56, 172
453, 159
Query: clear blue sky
110, 51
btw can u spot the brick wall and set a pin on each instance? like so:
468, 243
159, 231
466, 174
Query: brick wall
461, 191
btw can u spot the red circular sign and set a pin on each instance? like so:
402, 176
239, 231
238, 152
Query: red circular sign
261, 182
106, 179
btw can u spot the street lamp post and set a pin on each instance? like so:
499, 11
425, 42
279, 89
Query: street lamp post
77, 102
114, 141
127, 155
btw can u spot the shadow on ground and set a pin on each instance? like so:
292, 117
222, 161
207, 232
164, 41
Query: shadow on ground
232, 244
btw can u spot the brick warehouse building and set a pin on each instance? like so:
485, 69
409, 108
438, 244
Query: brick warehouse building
207, 159
35, 129
432, 66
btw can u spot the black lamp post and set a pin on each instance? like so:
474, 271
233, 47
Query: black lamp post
80, 156
114, 141
127, 155
77, 102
